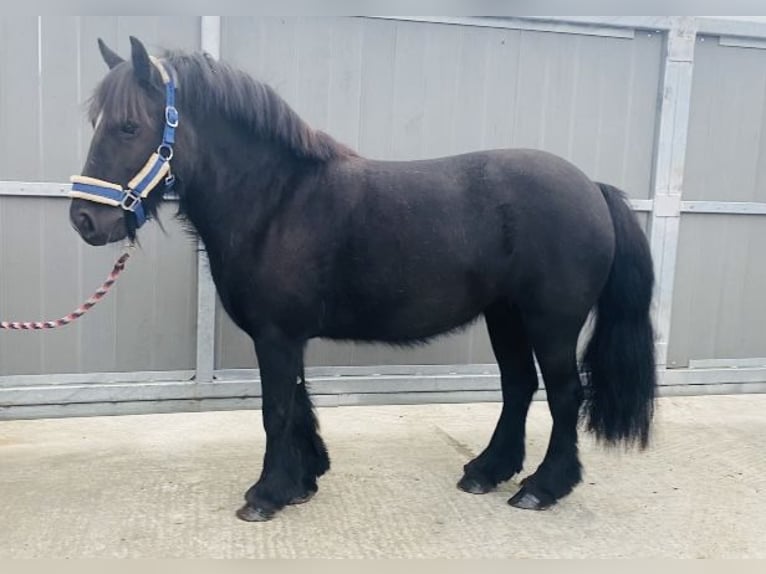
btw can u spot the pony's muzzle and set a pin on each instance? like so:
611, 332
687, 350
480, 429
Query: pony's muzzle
97, 224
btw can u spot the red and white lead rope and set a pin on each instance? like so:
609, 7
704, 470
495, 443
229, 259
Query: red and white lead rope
119, 266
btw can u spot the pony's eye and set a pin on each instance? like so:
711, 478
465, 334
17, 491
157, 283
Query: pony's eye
129, 128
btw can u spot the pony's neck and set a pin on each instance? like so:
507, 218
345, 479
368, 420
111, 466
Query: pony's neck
235, 179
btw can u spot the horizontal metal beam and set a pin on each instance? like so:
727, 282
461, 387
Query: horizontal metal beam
642, 204
532, 24
653, 23
727, 363
174, 390
52, 189
730, 207
235, 403
371, 371
428, 382
34, 188
708, 25
737, 42
735, 32
722, 376
44, 189
712, 25
320, 400
365, 378
404, 378
7, 381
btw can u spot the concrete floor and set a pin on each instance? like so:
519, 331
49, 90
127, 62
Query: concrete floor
168, 485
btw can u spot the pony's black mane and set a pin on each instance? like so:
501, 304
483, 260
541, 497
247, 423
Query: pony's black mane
207, 85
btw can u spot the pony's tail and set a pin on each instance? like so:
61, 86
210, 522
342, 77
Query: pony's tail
619, 360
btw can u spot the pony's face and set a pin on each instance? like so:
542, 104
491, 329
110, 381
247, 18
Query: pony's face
127, 115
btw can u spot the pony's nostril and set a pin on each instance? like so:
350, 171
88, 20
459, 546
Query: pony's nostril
85, 224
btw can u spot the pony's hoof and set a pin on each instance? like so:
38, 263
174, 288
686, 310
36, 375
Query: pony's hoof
250, 514
526, 500
304, 498
473, 485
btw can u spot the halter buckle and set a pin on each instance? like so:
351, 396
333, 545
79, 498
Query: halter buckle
171, 116
130, 200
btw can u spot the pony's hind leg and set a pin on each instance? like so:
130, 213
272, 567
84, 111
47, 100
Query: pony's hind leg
295, 453
555, 344
504, 455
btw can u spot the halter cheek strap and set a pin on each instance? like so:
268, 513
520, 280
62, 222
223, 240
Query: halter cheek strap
156, 169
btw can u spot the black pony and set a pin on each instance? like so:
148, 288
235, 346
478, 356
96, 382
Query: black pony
308, 239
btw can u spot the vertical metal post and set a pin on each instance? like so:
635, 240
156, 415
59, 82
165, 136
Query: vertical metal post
205, 367
211, 35
670, 155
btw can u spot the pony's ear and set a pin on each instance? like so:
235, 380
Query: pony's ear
110, 57
142, 65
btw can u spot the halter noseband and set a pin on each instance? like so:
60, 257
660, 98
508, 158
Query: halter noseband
155, 170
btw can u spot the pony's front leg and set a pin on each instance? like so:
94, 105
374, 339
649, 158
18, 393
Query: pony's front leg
295, 454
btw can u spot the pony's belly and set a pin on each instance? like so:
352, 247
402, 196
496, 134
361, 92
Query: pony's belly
413, 322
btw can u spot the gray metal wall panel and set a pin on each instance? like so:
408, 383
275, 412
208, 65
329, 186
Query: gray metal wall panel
19, 99
726, 156
146, 323
62, 99
718, 304
48, 69
719, 308
405, 90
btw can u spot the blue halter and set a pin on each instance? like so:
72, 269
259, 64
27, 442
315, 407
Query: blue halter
156, 169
